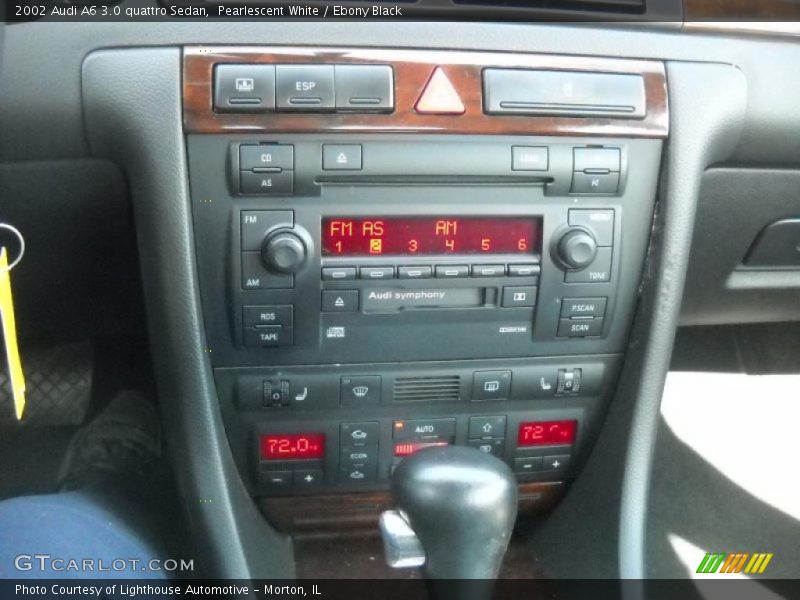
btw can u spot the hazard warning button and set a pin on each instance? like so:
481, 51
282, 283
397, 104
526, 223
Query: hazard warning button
439, 96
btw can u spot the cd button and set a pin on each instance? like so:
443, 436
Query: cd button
266, 156
414, 272
488, 270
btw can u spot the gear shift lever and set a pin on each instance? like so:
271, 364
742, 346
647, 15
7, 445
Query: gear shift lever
461, 504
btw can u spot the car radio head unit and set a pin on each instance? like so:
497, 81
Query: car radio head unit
443, 235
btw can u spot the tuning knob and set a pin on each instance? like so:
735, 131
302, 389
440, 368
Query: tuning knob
284, 252
577, 248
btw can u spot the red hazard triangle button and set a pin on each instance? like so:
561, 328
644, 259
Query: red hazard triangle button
439, 96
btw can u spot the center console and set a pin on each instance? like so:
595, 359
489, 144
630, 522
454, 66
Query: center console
400, 250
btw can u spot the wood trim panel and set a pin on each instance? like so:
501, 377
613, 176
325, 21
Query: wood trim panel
732, 13
357, 514
412, 69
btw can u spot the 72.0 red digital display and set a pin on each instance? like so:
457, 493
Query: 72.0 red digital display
411, 236
292, 446
547, 433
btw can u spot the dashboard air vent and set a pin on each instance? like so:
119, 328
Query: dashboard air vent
415, 389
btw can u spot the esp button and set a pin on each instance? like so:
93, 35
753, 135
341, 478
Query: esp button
304, 88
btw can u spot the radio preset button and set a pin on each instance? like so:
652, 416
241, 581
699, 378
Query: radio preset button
524, 270
253, 316
491, 385
339, 300
488, 270
376, 272
338, 273
519, 296
580, 327
583, 307
424, 272
452, 271
361, 390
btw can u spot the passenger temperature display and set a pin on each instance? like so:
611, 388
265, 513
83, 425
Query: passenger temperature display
401, 236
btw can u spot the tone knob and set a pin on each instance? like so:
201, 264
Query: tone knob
577, 248
283, 251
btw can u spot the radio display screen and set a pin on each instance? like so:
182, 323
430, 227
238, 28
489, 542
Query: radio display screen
410, 236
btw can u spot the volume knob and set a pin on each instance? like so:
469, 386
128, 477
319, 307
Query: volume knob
284, 252
577, 248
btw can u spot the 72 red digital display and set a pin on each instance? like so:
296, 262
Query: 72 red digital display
292, 446
547, 433
411, 236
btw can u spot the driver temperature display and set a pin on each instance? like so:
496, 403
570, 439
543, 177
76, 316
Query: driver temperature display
401, 236
292, 446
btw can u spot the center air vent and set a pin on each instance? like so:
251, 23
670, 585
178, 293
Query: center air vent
414, 389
